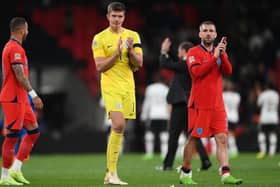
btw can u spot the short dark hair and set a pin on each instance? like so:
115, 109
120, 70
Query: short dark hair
16, 23
116, 6
159, 76
269, 85
186, 45
208, 22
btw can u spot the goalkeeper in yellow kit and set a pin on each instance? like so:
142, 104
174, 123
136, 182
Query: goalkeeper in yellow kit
117, 53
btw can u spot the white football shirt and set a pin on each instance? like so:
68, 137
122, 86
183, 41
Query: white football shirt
232, 102
268, 100
155, 105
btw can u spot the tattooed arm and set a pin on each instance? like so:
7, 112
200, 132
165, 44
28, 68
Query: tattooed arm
22, 79
24, 82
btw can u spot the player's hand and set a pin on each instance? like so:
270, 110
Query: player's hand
38, 104
120, 46
165, 46
129, 43
133, 67
223, 45
220, 49
223, 48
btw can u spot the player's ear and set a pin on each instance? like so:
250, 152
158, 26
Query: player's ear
199, 34
108, 16
22, 31
215, 35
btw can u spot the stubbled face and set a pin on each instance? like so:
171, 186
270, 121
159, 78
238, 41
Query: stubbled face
207, 34
24, 31
116, 18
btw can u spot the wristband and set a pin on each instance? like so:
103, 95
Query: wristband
32, 94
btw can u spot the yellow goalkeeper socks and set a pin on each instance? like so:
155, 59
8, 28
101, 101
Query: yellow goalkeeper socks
113, 151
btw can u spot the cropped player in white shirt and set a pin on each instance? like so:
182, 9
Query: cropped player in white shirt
232, 101
268, 101
155, 114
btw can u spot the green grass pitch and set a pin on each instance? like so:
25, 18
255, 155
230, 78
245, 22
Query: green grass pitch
87, 170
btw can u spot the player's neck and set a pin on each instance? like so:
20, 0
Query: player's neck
17, 38
116, 30
209, 47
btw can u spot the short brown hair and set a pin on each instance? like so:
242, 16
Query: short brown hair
116, 6
208, 22
16, 23
186, 45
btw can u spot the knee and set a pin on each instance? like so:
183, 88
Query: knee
118, 127
261, 137
149, 136
273, 138
118, 122
182, 139
164, 137
222, 139
31, 127
192, 140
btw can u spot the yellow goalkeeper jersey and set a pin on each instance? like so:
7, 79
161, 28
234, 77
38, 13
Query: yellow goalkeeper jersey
120, 76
